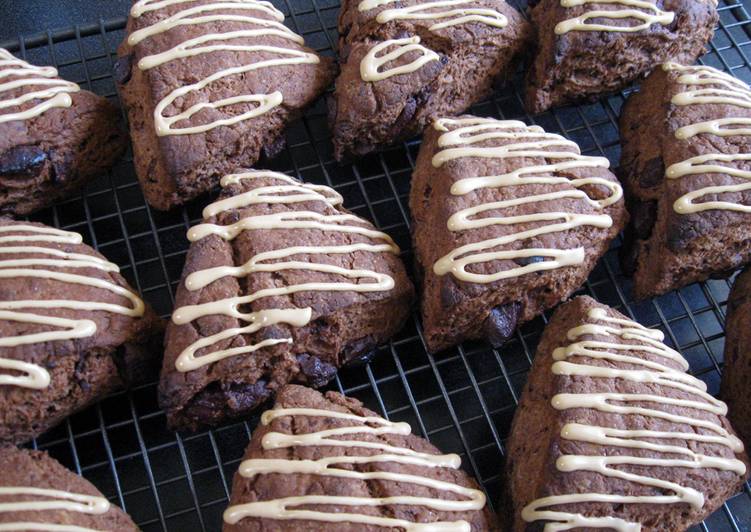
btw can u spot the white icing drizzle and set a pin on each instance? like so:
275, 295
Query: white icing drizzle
48, 500
19, 73
624, 352
644, 11
283, 509
706, 85
231, 11
371, 64
289, 193
527, 141
64, 329
453, 16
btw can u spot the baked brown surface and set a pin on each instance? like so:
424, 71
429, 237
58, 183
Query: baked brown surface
536, 446
736, 375
49, 156
666, 249
343, 326
270, 486
24, 468
175, 168
579, 66
469, 57
456, 309
82, 368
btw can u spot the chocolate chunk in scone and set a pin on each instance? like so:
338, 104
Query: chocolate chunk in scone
54, 137
209, 87
587, 49
281, 284
71, 329
405, 64
612, 433
736, 372
38, 493
508, 221
326, 463
686, 138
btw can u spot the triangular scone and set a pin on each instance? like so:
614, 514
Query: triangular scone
612, 433
72, 330
583, 54
736, 373
508, 221
324, 463
407, 63
686, 138
39, 493
209, 87
281, 284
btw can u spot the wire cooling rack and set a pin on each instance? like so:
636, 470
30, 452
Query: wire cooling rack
462, 400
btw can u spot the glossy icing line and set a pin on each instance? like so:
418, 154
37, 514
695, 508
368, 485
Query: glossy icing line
47, 267
456, 14
371, 64
645, 343
223, 11
50, 500
644, 11
289, 193
16, 73
708, 86
283, 509
459, 141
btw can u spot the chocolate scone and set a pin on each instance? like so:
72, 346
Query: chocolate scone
736, 373
209, 86
685, 169
281, 284
612, 433
406, 64
71, 329
326, 463
587, 48
508, 221
54, 137
38, 493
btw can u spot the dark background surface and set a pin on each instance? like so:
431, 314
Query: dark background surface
32, 16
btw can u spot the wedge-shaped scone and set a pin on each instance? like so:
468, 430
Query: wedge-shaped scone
38, 493
209, 86
587, 48
71, 329
508, 221
612, 433
736, 373
281, 284
405, 64
685, 167
326, 463
54, 137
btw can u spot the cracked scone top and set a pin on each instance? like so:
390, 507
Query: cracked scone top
281, 284
612, 432
508, 220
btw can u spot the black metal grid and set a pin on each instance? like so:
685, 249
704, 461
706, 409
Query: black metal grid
462, 399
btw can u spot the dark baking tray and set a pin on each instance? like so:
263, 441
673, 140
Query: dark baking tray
462, 399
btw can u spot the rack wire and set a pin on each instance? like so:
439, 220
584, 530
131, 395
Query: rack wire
462, 400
